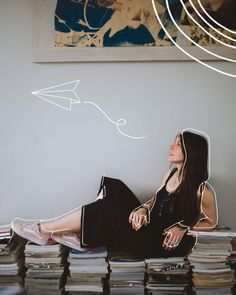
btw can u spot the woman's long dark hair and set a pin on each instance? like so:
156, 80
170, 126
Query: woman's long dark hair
194, 174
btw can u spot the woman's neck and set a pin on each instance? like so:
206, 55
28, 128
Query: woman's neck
173, 181
179, 171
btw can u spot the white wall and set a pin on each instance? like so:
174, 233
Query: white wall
52, 159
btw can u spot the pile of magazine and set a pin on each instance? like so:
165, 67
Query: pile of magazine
211, 262
5, 233
127, 274
12, 269
88, 270
232, 260
45, 269
168, 276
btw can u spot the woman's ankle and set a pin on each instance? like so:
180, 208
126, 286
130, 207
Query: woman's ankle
43, 229
47, 229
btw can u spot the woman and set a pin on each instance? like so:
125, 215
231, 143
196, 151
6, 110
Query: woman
118, 221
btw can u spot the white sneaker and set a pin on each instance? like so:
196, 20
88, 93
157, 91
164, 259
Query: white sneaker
70, 240
29, 231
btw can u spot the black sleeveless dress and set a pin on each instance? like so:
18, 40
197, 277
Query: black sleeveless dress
106, 223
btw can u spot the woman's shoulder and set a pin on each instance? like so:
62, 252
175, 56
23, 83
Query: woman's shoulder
206, 193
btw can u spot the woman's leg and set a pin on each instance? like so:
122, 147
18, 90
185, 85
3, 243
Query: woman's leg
68, 223
40, 233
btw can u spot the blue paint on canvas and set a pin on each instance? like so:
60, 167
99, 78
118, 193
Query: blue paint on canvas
91, 23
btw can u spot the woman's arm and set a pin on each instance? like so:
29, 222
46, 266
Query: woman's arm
141, 214
208, 211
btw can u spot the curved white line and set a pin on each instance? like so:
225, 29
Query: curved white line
199, 14
120, 122
113, 122
185, 52
195, 43
48, 220
209, 150
209, 175
216, 205
202, 133
202, 28
227, 29
196, 131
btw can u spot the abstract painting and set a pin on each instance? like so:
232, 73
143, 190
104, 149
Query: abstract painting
133, 30
129, 23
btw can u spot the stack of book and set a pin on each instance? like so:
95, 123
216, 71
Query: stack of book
5, 233
12, 269
168, 275
45, 269
232, 260
88, 270
127, 274
210, 262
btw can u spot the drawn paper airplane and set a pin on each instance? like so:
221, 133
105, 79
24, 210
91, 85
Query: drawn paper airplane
64, 95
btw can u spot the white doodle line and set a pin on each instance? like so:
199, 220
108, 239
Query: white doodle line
195, 229
206, 31
55, 96
195, 43
185, 52
118, 123
199, 132
40, 221
215, 29
211, 18
177, 240
204, 184
48, 92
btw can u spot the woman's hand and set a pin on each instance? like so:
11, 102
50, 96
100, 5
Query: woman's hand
173, 237
138, 218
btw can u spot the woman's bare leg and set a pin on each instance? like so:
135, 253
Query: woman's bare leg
68, 223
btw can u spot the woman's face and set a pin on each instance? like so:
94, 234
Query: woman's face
176, 155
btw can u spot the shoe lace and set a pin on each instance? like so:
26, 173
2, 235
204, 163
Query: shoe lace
31, 225
32, 228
